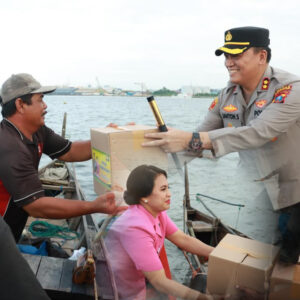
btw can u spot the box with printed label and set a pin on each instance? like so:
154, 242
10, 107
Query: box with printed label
117, 151
240, 261
285, 282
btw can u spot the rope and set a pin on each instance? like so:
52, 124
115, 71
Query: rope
219, 200
222, 201
45, 229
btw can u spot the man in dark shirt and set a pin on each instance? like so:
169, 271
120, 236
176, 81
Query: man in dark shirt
23, 139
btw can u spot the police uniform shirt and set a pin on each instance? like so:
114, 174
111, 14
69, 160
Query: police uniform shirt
19, 160
269, 123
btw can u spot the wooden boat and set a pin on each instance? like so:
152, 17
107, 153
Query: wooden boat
208, 229
55, 273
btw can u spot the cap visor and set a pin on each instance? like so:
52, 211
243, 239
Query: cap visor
234, 51
44, 90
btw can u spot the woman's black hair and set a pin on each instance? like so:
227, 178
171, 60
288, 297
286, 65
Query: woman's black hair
140, 183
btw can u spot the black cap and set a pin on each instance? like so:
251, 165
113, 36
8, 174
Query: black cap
238, 40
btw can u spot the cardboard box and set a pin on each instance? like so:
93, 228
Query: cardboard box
240, 261
117, 151
285, 282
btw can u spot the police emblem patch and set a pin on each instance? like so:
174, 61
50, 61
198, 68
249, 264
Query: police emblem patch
213, 104
281, 94
230, 108
260, 103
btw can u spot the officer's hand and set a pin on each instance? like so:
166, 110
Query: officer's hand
173, 140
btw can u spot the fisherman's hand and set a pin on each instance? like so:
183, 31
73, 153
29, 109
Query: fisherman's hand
173, 140
114, 125
107, 204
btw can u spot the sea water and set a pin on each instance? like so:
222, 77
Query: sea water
219, 178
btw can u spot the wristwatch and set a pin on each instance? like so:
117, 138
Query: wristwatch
195, 144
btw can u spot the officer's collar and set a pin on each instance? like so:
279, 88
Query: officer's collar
232, 87
262, 86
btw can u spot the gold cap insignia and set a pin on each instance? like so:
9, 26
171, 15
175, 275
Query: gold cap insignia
228, 36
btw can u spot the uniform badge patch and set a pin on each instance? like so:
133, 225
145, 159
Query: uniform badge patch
261, 103
213, 104
281, 94
265, 83
230, 108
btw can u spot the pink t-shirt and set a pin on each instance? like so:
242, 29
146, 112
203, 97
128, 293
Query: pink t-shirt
134, 242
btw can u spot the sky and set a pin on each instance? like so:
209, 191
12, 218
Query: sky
122, 43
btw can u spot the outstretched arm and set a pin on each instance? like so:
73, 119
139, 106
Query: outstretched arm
167, 286
58, 208
190, 244
79, 151
175, 140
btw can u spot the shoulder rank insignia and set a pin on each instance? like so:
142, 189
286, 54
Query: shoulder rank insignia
281, 94
213, 104
260, 103
230, 108
265, 84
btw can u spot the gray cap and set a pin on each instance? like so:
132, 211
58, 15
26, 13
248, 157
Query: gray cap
22, 84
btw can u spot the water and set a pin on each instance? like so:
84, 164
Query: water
218, 178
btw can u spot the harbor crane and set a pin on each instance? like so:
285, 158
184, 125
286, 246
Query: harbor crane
142, 86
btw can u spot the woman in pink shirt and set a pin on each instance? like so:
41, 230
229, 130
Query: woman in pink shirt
135, 239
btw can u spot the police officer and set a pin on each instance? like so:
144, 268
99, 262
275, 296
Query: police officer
257, 114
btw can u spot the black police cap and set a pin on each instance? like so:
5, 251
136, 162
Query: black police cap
238, 40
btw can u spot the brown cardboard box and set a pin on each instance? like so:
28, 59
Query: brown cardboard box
240, 261
285, 282
117, 151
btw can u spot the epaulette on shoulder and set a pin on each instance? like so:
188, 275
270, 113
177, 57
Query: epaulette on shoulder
285, 78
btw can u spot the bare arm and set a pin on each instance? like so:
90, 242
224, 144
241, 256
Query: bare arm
79, 151
58, 208
161, 283
190, 244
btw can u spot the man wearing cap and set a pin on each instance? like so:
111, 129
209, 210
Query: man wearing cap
23, 138
257, 114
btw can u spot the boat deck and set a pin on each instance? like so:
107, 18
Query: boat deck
55, 277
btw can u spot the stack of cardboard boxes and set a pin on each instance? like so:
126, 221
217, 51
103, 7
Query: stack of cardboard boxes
250, 264
285, 282
238, 261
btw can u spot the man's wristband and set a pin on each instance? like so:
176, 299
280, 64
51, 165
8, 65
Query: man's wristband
195, 144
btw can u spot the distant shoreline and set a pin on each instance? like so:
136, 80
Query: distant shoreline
139, 95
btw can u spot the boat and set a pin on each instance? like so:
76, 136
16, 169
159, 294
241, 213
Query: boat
55, 274
207, 228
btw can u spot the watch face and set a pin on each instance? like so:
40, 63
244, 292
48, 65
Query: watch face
195, 143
